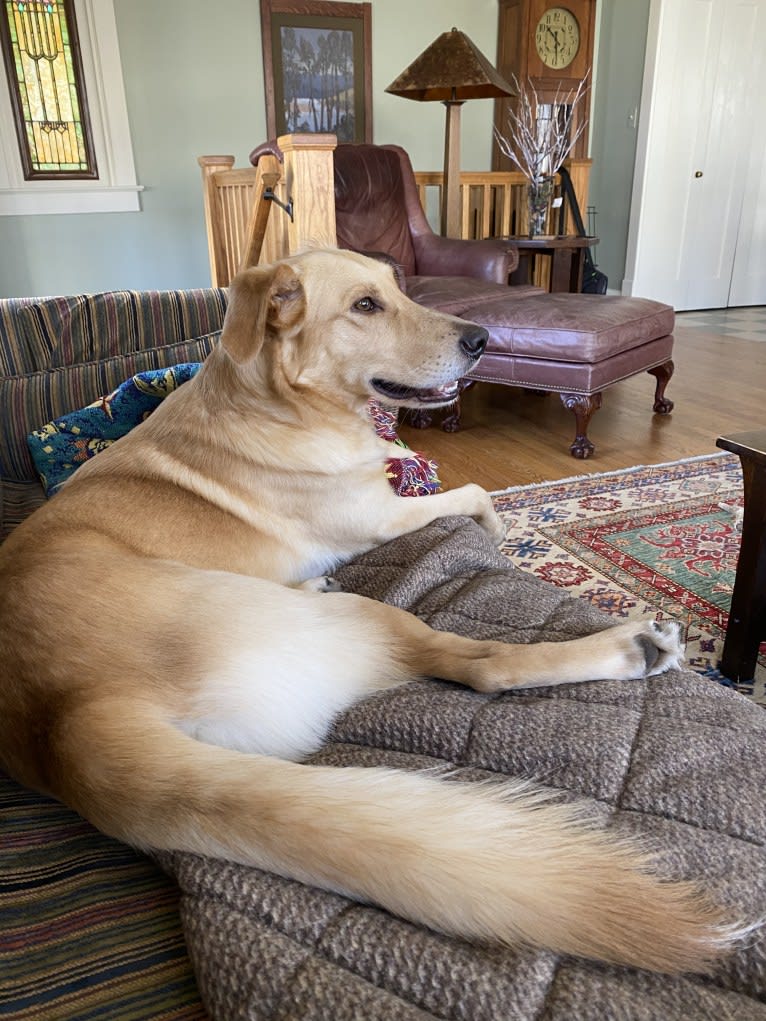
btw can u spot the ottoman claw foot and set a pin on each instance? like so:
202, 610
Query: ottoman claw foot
662, 406
420, 419
451, 422
582, 448
583, 406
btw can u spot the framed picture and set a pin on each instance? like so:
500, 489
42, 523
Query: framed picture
317, 68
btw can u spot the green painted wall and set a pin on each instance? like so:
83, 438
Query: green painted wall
615, 111
194, 83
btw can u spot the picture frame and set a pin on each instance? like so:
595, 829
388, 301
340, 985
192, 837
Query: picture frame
323, 49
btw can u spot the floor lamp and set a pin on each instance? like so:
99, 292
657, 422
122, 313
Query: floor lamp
451, 70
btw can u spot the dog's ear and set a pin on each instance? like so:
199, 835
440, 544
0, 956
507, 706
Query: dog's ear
262, 301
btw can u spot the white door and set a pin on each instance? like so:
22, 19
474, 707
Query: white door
748, 282
703, 85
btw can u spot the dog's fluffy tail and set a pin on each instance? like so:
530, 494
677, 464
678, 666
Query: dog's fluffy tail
483, 861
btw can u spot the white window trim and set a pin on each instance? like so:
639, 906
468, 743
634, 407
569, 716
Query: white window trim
117, 189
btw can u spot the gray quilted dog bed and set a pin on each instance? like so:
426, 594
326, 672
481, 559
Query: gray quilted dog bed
677, 759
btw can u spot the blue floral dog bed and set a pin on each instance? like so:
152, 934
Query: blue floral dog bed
60, 447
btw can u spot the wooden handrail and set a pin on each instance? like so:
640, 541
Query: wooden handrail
255, 234
493, 202
243, 228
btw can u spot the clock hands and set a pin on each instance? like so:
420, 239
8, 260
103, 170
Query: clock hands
555, 40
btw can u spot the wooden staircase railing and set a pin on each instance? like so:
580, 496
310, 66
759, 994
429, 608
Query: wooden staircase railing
243, 228
236, 214
494, 203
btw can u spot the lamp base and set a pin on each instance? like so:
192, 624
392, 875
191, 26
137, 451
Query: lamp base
450, 220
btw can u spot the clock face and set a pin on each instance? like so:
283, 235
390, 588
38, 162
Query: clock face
557, 37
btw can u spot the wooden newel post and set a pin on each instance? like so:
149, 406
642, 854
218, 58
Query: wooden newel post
308, 180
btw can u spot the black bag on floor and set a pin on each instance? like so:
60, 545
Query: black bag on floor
593, 280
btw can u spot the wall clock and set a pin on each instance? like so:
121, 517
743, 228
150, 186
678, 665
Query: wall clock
557, 38
549, 44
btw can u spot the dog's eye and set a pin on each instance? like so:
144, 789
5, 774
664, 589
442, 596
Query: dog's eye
366, 305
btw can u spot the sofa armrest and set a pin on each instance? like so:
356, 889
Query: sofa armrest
486, 260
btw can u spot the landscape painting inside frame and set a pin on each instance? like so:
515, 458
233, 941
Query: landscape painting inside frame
318, 75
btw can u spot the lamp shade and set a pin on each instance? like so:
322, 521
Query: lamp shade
450, 70
453, 69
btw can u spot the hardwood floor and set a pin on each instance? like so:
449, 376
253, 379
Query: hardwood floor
509, 437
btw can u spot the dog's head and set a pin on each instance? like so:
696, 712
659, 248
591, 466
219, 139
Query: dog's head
336, 321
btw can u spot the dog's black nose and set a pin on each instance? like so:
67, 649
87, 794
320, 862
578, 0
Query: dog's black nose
474, 340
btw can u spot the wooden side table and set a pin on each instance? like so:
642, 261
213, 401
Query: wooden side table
567, 259
747, 617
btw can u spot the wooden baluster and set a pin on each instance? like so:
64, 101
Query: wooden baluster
507, 200
214, 219
486, 211
465, 212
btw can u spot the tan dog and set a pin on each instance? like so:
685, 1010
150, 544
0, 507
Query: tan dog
200, 666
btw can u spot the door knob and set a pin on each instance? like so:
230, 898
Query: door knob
698, 173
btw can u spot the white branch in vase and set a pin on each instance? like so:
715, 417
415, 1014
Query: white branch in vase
539, 145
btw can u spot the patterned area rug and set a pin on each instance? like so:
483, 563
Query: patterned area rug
661, 540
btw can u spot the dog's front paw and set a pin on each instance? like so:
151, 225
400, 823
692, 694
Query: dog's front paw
493, 525
485, 513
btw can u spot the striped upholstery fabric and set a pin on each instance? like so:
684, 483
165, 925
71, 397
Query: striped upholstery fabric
14, 359
17, 501
42, 377
28, 402
88, 928
51, 332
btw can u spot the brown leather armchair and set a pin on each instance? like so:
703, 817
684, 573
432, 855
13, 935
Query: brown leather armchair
377, 210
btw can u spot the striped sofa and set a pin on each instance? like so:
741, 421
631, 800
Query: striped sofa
88, 928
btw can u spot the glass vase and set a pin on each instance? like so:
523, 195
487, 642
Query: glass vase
539, 195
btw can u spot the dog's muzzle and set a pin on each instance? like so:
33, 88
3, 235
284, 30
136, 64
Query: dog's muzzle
401, 395
472, 342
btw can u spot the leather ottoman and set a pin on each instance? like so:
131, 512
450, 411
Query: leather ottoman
576, 345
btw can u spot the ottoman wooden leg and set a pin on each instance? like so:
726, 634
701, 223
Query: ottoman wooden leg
420, 419
663, 373
747, 616
583, 406
451, 422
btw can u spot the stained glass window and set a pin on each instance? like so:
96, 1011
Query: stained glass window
42, 57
